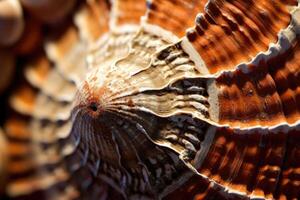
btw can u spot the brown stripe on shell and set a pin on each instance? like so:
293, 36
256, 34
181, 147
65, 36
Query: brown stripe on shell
257, 164
174, 16
251, 163
231, 32
267, 94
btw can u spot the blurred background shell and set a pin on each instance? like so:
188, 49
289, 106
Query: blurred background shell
156, 99
11, 22
49, 11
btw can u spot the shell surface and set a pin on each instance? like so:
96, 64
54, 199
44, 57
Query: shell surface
160, 99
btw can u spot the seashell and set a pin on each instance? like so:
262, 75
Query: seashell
161, 99
11, 22
49, 11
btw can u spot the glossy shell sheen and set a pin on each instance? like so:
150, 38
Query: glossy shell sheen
156, 99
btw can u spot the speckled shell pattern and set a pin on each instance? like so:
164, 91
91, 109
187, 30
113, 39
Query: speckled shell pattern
159, 99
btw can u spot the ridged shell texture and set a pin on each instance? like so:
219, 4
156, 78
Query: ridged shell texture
156, 99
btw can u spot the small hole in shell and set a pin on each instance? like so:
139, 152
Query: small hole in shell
93, 106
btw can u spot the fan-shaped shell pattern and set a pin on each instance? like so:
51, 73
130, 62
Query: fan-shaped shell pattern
161, 99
